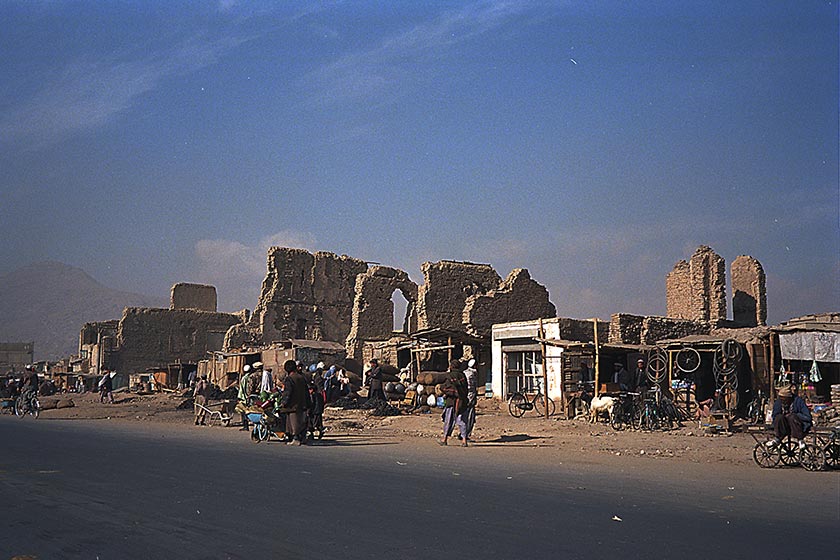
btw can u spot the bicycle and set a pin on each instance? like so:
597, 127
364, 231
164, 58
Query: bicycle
757, 409
626, 411
27, 404
519, 404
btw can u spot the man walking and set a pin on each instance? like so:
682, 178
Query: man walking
454, 403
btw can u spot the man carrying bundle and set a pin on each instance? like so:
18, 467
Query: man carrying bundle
455, 403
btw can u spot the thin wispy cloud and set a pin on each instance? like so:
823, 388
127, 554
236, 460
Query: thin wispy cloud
374, 74
87, 94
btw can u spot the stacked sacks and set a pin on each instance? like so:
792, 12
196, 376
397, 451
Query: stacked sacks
394, 391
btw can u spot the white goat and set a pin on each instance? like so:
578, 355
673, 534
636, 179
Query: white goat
599, 405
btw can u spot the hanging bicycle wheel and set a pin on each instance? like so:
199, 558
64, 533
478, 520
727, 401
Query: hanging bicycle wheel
540, 405
688, 360
517, 405
731, 349
657, 366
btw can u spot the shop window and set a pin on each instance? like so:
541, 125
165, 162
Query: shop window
523, 371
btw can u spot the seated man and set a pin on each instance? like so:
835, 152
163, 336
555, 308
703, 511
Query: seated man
791, 416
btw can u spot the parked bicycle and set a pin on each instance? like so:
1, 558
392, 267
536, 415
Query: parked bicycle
649, 417
757, 409
627, 411
519, 403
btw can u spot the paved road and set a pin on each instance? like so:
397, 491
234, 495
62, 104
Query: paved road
80, 489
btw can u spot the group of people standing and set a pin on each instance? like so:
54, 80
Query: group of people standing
296, 403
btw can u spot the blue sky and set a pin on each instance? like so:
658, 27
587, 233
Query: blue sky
594, 143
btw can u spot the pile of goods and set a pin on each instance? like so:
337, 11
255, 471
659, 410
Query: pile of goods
835, 395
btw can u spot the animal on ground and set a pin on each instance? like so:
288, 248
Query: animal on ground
599, 405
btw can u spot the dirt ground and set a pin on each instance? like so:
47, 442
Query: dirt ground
494, 428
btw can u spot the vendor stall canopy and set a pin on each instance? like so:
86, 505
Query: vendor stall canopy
813, 337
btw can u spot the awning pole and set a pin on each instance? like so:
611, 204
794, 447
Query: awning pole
545, 372
597, 356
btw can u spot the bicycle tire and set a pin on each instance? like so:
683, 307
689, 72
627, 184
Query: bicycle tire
688, 360
539, 405
731, 348
766, 457
516, 405
35, 408
255, 436
723, 363
617, 418
19, 411
657, 366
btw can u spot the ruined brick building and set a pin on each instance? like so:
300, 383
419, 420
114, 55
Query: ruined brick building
324, 296
696, 290
150, 337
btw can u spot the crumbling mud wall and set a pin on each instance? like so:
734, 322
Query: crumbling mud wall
583, 330
373, 307
305, 296
696, 290
626, 328
749, 292
447, 285
638, 329
154, 337
193, 296
518, 298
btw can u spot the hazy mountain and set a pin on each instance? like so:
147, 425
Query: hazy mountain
48, 303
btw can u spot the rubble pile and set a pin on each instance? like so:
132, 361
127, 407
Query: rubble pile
376, 406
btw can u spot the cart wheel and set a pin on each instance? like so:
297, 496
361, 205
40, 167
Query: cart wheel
832, 455
812, 458
766, 457
225, 422
263, 432
789, 451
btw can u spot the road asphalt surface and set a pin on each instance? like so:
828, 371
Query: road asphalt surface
100, 490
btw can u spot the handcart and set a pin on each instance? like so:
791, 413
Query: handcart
266, 426
821, 450
217, 411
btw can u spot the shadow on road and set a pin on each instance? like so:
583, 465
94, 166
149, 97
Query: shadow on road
511, 439
337, 441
